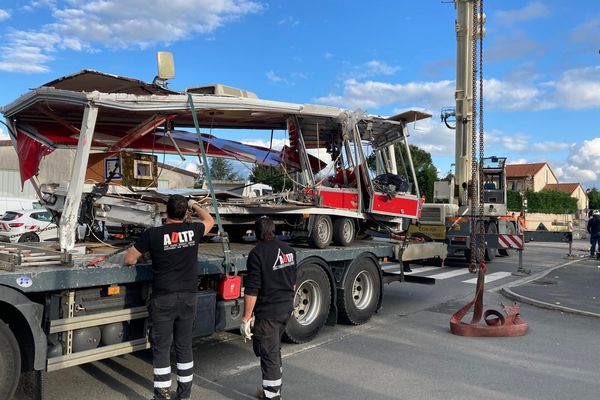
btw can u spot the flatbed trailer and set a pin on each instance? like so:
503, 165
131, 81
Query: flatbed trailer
59, 310
67, 303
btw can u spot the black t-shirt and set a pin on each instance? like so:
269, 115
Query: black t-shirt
593, 226
174, 251
271, 276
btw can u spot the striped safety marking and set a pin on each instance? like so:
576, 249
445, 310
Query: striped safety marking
491, 277
510, 241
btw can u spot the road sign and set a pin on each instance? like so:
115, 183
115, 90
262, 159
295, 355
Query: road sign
510, 241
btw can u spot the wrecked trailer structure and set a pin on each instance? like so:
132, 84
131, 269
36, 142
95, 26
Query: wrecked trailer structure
74, 302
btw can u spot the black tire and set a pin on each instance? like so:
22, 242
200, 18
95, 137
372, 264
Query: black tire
359, 297
311, 304
29, 237
10, 362
344, 231
321, 232
511, 231
490, 254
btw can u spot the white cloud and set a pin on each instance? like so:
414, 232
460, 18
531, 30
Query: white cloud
83, 25
299, 75
41, 3
192, 166
533, 10
3, 133
289, 21
371, 68
512, 46
587, 33
372, 95
328, 56
518, 161
4, 15
432, 136
277, 143
523, 143
583, 164
514, 96
578, 88
575, 89
275, 78
550, 146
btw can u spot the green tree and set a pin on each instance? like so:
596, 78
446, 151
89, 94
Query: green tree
550, 201
594, 199
449, 176
221, 169
273, 176
513, 202
425, 171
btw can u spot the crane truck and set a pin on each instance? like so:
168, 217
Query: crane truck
448, 217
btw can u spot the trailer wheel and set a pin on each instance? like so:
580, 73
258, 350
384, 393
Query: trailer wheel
490, 254
321, 233
511, 231
343, 231
29, 237
10, 362
359, 296
311, 304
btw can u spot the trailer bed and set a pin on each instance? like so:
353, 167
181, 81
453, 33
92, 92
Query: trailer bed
45, 278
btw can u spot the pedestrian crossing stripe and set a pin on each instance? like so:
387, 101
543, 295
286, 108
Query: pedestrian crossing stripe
491, 277
450, 274
510, 241
394, 268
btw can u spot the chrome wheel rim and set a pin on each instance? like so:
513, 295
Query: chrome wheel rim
323, 230
307, 302
362, 290
347, 230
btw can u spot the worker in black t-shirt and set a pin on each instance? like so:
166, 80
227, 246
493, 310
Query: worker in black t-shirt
268, 292
174, 251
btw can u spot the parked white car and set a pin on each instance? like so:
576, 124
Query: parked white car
17, 204
27, 226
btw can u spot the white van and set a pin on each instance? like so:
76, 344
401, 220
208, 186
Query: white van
17, 203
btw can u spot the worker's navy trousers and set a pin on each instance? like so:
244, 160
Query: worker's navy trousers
267, 345
172, 318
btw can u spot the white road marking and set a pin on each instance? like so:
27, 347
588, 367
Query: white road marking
491, 277
450, 274
395, 268
419, 270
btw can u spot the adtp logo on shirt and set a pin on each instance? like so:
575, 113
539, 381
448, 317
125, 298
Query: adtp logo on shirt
176, 240
283, 260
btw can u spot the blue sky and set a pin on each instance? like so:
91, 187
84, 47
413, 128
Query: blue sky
542, 61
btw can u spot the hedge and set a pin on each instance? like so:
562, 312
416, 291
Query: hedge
546, 201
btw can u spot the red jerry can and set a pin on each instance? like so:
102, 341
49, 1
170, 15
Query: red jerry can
230, 287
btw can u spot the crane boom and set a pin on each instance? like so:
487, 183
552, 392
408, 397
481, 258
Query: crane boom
464, 98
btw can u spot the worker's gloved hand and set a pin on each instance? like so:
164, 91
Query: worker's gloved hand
191, 202
246, 328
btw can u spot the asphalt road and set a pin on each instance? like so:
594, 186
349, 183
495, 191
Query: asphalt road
405, 352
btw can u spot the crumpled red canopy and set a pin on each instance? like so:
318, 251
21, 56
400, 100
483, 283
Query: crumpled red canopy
30, 153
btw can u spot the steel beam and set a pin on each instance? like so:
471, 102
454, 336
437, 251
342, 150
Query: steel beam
68, 220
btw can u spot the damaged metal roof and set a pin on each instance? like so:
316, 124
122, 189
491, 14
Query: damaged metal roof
89, 80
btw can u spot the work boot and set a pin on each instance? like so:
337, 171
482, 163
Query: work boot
260, 393
162, 394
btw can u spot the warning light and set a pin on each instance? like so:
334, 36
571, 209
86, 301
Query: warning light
113, 290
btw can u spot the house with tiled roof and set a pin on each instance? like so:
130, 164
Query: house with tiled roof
574, 190
532, 176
